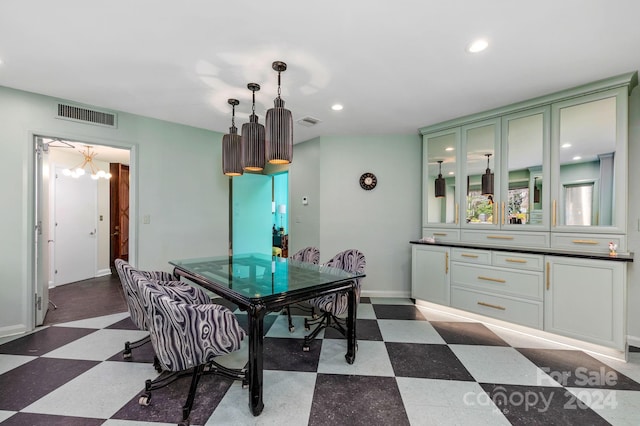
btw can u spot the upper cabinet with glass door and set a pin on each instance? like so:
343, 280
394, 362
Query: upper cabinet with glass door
481, 153
589, 163
525, 170
440, 192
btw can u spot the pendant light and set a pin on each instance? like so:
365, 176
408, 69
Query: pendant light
253, 137
440, 184
279, 127
487, 180
536, 191
232, 146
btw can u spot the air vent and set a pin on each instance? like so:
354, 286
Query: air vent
308, 121
84, 115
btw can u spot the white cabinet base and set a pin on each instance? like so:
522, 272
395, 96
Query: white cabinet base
569, 343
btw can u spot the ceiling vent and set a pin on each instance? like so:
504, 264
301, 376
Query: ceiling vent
308, 121
85, 115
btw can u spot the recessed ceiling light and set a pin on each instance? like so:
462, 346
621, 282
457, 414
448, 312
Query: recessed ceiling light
450, 173
478, 46
577, 157
566, 145
337, 107
449, 148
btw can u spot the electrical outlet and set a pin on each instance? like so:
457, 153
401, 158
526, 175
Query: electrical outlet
146, 219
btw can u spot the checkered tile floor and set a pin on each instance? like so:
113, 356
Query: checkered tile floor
414, 366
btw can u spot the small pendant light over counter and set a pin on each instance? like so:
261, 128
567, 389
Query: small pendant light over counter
536, 190
440, 184
487, 179
253, 137
279, 127
232, 146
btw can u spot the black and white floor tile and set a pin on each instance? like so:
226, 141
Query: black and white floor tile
414, 366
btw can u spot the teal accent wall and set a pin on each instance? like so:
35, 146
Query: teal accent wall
252, 214
281, 197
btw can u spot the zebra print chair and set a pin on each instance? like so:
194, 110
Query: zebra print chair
334, 307
183, 292
310, 255
188, 337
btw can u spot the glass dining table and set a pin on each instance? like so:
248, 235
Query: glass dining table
259, 284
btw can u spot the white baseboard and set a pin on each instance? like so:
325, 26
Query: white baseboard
103, 272
633, 341
384, 293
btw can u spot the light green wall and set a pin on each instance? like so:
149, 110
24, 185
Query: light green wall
380, 222
304, 179
175, 179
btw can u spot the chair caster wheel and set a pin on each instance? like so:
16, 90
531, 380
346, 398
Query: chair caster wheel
245, 384
184, 423
292, 329
126, 354
305, 348
145, 399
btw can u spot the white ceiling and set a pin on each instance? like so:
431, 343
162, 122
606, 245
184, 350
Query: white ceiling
394, 65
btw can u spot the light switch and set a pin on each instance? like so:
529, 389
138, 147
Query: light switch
305, 201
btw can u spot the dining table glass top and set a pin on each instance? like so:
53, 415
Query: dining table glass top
259, 275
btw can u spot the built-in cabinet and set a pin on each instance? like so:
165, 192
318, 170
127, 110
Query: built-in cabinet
430, 274
586, 300
514, 197
528, 173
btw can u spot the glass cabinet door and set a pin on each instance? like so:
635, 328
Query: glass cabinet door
525, 159
440, 151
589, 155
481, 153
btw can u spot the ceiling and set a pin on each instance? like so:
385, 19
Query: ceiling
395, 66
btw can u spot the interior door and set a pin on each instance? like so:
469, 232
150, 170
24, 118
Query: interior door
119, 212
251, 214
76, 210
41, 230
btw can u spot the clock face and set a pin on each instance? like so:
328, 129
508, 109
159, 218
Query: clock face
368, 181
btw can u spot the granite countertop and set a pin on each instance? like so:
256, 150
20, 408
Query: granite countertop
620, 257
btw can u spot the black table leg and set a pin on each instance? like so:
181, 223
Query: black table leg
256, 344
351, 326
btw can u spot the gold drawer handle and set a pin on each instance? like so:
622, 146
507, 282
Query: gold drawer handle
439, 234
473, 256
584, 242
489, 305
508, 259
499, 237
496, 280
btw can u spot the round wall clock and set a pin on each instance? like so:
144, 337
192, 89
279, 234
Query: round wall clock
368, 181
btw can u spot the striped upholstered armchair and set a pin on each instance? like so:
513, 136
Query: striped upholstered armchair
183, 292
187, 337
334, 307
310, 255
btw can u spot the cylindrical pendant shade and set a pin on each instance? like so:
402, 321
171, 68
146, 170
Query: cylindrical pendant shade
232, 153
440, 183
487, 183
253, 144
279, 134
440, 187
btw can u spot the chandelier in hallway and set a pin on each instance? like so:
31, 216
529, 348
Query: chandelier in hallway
87, 163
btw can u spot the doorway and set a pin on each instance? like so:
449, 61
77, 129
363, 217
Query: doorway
73, 236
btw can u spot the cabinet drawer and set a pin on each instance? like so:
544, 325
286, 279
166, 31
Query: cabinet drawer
498, 280
519, 311
533, 262
591, 243
441, 234
482, 257
500, 238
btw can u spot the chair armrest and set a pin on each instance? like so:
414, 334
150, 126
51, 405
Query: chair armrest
184, 293
217, 331
160, 275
